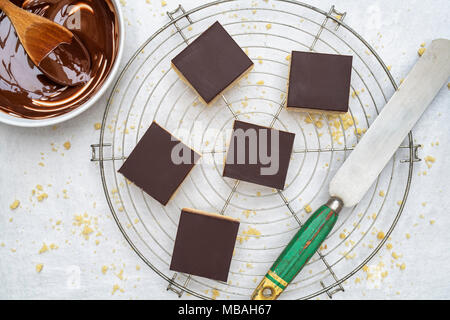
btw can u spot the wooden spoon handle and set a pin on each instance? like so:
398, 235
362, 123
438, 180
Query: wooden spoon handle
37, 34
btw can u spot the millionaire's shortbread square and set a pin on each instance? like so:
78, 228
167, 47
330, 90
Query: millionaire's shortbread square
319, 82
204, 244
259, 155
159, 163
212, 63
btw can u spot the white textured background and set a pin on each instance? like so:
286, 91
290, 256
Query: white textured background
72, 270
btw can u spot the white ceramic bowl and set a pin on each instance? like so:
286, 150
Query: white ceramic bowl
20, 122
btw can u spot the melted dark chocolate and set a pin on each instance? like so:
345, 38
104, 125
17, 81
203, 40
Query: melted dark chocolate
319, 81
150, 165
251, 170
212, 62
24, 90
204, 244
68, 64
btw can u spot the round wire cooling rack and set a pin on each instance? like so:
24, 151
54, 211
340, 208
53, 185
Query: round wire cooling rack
149, 90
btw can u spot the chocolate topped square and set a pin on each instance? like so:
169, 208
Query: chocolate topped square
212, 63
259, 155
204, 244
319, 82
159, 163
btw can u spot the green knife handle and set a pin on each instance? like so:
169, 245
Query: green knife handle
298, 252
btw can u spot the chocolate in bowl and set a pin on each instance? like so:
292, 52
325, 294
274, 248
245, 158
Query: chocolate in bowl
25, 92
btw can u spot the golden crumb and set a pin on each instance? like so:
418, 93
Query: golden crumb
288, 58
104, 269
42, 196
389, 246
342, 236
163, 3
268, 26
308, 208
260, 82
432, 221
403, 266
97, 126
15, 204
381, 193
43, 249
429, 160
380, 235
67, 145
421, 51
215, 294
39, 267
86, 231
115, 288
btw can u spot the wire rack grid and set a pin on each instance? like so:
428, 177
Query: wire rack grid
148, 89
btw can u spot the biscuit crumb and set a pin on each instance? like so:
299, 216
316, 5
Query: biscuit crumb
39, 267
381, 193
380, 235
42, 196
115, 288
268, 26
429, 160
67, 145
215, 294
421, 51
104, 269
260, 82
15, 204
308, 208
43, 249
163, 3
97, 126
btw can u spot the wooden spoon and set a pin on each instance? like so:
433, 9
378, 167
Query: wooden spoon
54, 49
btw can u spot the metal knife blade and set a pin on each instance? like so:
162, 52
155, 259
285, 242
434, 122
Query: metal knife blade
392, 125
